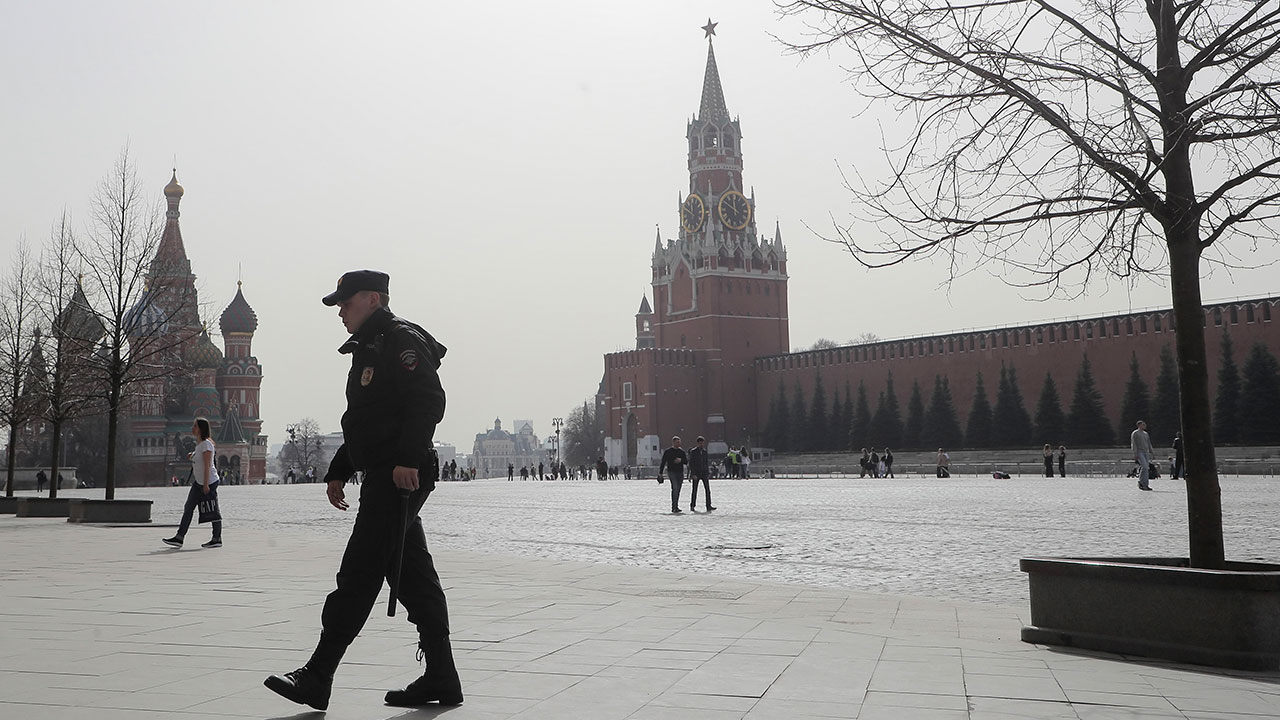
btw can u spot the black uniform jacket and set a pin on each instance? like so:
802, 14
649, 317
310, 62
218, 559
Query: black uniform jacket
394, 398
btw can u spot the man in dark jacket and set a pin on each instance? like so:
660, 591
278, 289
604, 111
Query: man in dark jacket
699, 469
673, 462
394, 401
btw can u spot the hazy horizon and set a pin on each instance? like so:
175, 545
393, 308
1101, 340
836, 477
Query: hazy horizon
507, 167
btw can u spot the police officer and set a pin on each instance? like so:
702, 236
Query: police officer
394, 401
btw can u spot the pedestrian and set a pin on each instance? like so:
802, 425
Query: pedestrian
204, 486
744, 462
944, 464
699, 470
394, 402
865, 462
1179, 469
524, 472
887, 459
874, 463
602, 469
1140, 444
673, 462
1062, 461
41, 479
1048, 460
541, 475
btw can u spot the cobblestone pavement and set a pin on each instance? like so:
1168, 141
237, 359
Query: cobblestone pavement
956, 539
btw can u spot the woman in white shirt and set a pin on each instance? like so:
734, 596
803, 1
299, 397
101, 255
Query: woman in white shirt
204, 485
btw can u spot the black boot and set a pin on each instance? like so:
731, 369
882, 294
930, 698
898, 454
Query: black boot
312, 683
303, 686
439, 683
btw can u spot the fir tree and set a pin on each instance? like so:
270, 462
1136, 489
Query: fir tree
914, 427
835, 435
860, 428
877, 422
1166, 413
798, 438
1050, 421
941, 426
1260, 401
1226, 408
780, 420
1136, 404
818, 418
846, 421
889, 427
1010, 423
1087, 424
978, 432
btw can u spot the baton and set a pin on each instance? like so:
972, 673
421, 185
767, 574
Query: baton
402, 528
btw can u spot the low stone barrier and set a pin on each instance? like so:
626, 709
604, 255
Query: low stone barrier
83, 510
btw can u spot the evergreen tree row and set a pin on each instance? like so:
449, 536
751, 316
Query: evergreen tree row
1246, 411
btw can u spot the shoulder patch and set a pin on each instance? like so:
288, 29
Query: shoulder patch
409, 359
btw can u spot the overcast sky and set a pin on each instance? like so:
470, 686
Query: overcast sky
506, 162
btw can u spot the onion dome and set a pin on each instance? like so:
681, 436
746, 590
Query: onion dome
146, 318
204, 354
173, 189
238, 317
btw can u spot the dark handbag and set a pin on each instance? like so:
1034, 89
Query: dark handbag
208, 507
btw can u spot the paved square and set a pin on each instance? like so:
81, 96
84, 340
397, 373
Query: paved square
580, 599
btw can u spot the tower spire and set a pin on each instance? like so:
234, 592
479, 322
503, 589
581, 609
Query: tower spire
712, 107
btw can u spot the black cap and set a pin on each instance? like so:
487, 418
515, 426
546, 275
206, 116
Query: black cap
355, 281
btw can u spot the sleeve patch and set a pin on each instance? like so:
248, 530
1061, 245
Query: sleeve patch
409, 360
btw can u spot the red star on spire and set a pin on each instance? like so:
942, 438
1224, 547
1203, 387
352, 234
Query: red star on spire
709, 28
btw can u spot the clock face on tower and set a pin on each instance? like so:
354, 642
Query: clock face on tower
693, 212
735, 210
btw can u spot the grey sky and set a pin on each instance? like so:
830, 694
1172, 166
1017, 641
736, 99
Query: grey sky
506, 162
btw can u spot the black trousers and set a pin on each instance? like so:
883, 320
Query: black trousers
194, 498
693, 486
368, 561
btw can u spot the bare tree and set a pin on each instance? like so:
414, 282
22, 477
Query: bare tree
72, 340
1060, 142
16, 338
139, 342
304, 448
581, 440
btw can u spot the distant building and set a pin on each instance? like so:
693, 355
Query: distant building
494, 449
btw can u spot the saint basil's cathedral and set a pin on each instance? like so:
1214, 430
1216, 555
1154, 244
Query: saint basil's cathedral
221, 385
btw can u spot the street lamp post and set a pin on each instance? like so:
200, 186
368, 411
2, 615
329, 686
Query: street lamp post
557, 423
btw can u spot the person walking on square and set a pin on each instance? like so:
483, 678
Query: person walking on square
699, 470
1062, 461
204, 485
944, 463
394, 402
1140, 443
865, 462
1048, 460
1178, 458
744, 462
541, 474
41, 479
874, 463
887, 459
673, 462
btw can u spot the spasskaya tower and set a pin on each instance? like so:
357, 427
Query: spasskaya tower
719, 302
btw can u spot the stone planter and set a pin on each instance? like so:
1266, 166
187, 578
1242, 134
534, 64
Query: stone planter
1158, 607
43, 507
109, 511
8, 505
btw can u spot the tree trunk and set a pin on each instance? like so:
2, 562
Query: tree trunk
113, 428
12, 459
54, 469
1204, 495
